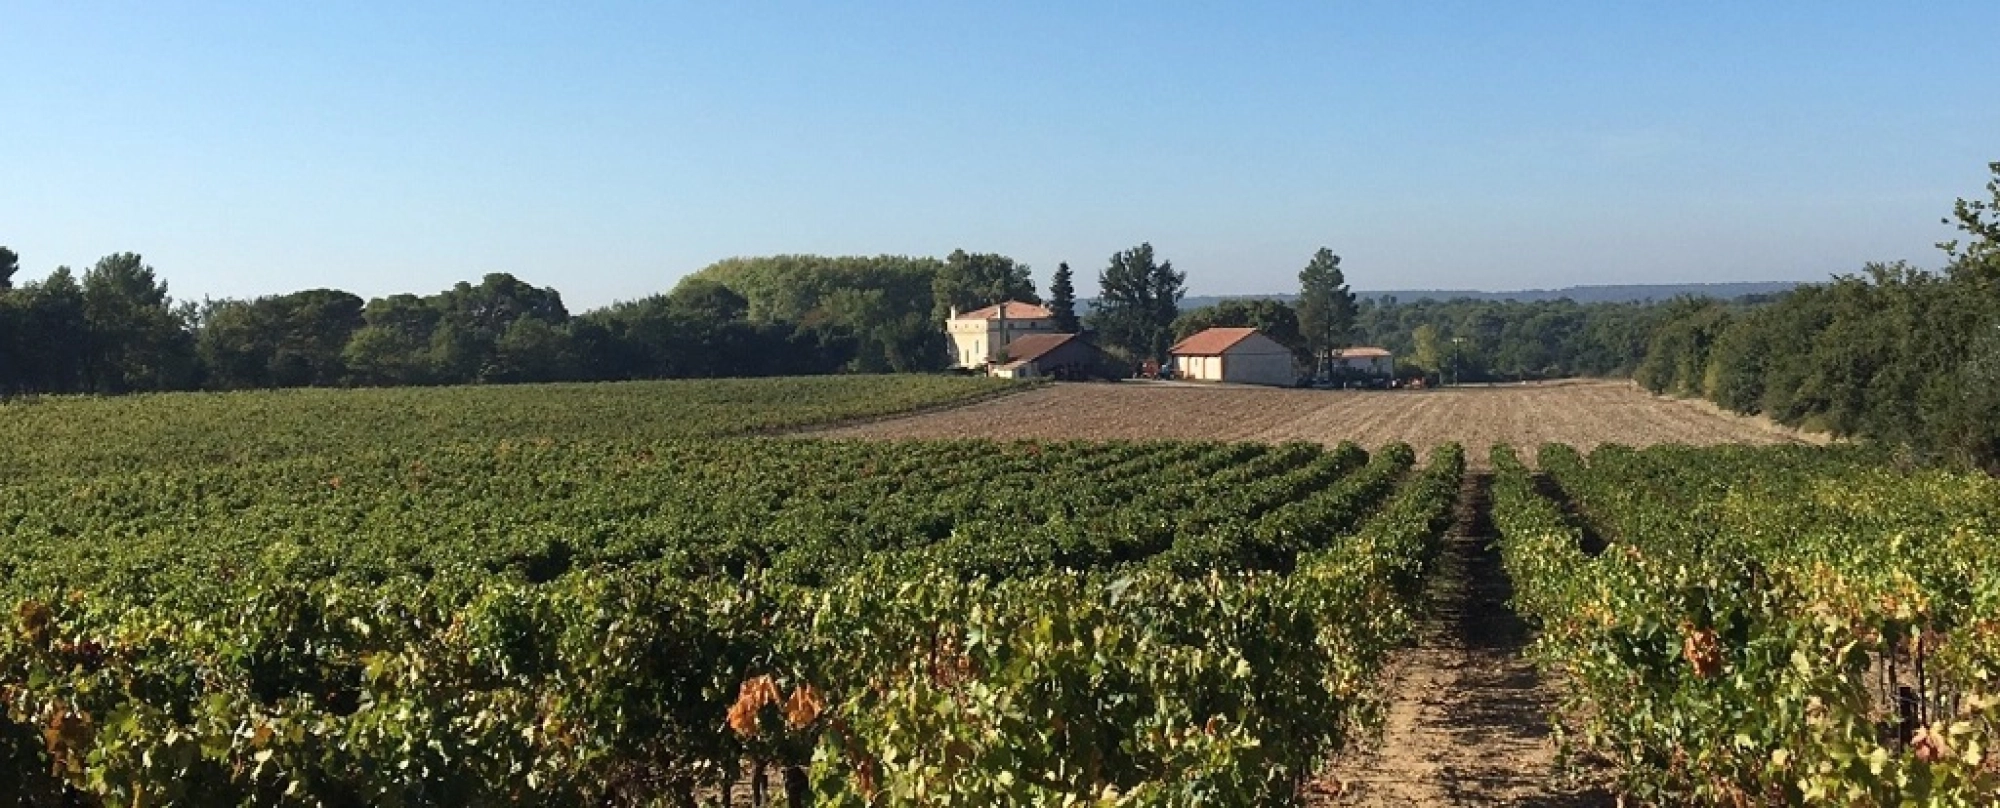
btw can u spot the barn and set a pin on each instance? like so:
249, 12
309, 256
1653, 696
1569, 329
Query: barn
1059, 356
1240, 355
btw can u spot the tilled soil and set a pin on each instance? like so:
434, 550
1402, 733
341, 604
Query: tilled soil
1583, 414
1467, 721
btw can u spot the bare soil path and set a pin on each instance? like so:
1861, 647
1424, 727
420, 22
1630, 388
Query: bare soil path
1467, 722
1467, 719
1581, 413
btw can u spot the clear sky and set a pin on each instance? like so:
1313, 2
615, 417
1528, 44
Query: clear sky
608, 149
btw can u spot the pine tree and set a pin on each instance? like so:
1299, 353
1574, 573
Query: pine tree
1326, 307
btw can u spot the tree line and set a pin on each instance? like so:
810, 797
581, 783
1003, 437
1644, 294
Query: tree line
1894, 353
1465, 339
115, 329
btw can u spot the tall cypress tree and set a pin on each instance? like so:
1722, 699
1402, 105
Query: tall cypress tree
1062, 300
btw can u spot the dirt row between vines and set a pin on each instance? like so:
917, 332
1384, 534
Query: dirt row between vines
1584, 414
1466, 719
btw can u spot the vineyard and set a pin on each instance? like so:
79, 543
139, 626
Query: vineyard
647, 594
1765, 626
656, 619
78, 435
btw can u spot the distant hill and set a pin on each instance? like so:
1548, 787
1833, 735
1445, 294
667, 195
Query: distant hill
1626, 293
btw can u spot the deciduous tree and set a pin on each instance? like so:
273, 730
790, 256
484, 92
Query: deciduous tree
531, 350
801, 296
708, 301
52, 337
383, 356
1429, 353
1977, 260
1137, 302
1273, 318
974, 280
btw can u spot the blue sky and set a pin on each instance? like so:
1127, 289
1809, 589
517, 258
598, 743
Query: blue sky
608, 149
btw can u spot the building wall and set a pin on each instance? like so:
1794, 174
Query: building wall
1199, 368
1076, 356
968, 343
1247, 364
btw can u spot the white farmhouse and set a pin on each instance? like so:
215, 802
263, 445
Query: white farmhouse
979, 338
1240, 355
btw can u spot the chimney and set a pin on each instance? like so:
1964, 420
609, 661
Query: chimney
1001, 345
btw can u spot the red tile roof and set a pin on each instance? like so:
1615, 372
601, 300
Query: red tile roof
1016, 310
1035, 346
1363, 352
1212, 342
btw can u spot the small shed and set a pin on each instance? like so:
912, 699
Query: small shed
1240, 355
1059, 356
1365, 360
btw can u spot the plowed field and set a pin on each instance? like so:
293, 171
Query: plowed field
1583, 414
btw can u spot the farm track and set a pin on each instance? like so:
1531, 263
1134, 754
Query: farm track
1466, 723
1583, 414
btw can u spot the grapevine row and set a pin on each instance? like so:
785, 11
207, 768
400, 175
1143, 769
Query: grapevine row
369, 667
1785, 625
